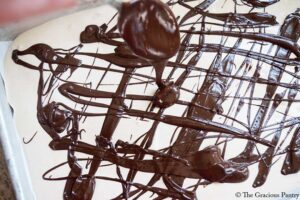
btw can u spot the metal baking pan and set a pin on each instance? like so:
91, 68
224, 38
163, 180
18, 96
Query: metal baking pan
9, 137
11, 142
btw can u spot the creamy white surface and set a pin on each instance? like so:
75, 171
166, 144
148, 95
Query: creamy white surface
22, 86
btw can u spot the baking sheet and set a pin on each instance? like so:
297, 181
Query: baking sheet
11, 142
296, 190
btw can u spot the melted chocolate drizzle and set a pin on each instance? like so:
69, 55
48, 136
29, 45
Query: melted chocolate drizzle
151, 37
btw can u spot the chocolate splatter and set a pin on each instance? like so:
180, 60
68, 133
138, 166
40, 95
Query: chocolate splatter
151, 37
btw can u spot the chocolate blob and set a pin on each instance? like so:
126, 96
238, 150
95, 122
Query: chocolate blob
259, 3
56, 118
166, 96
151, 31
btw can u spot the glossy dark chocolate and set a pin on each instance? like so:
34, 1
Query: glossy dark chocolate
151, 37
